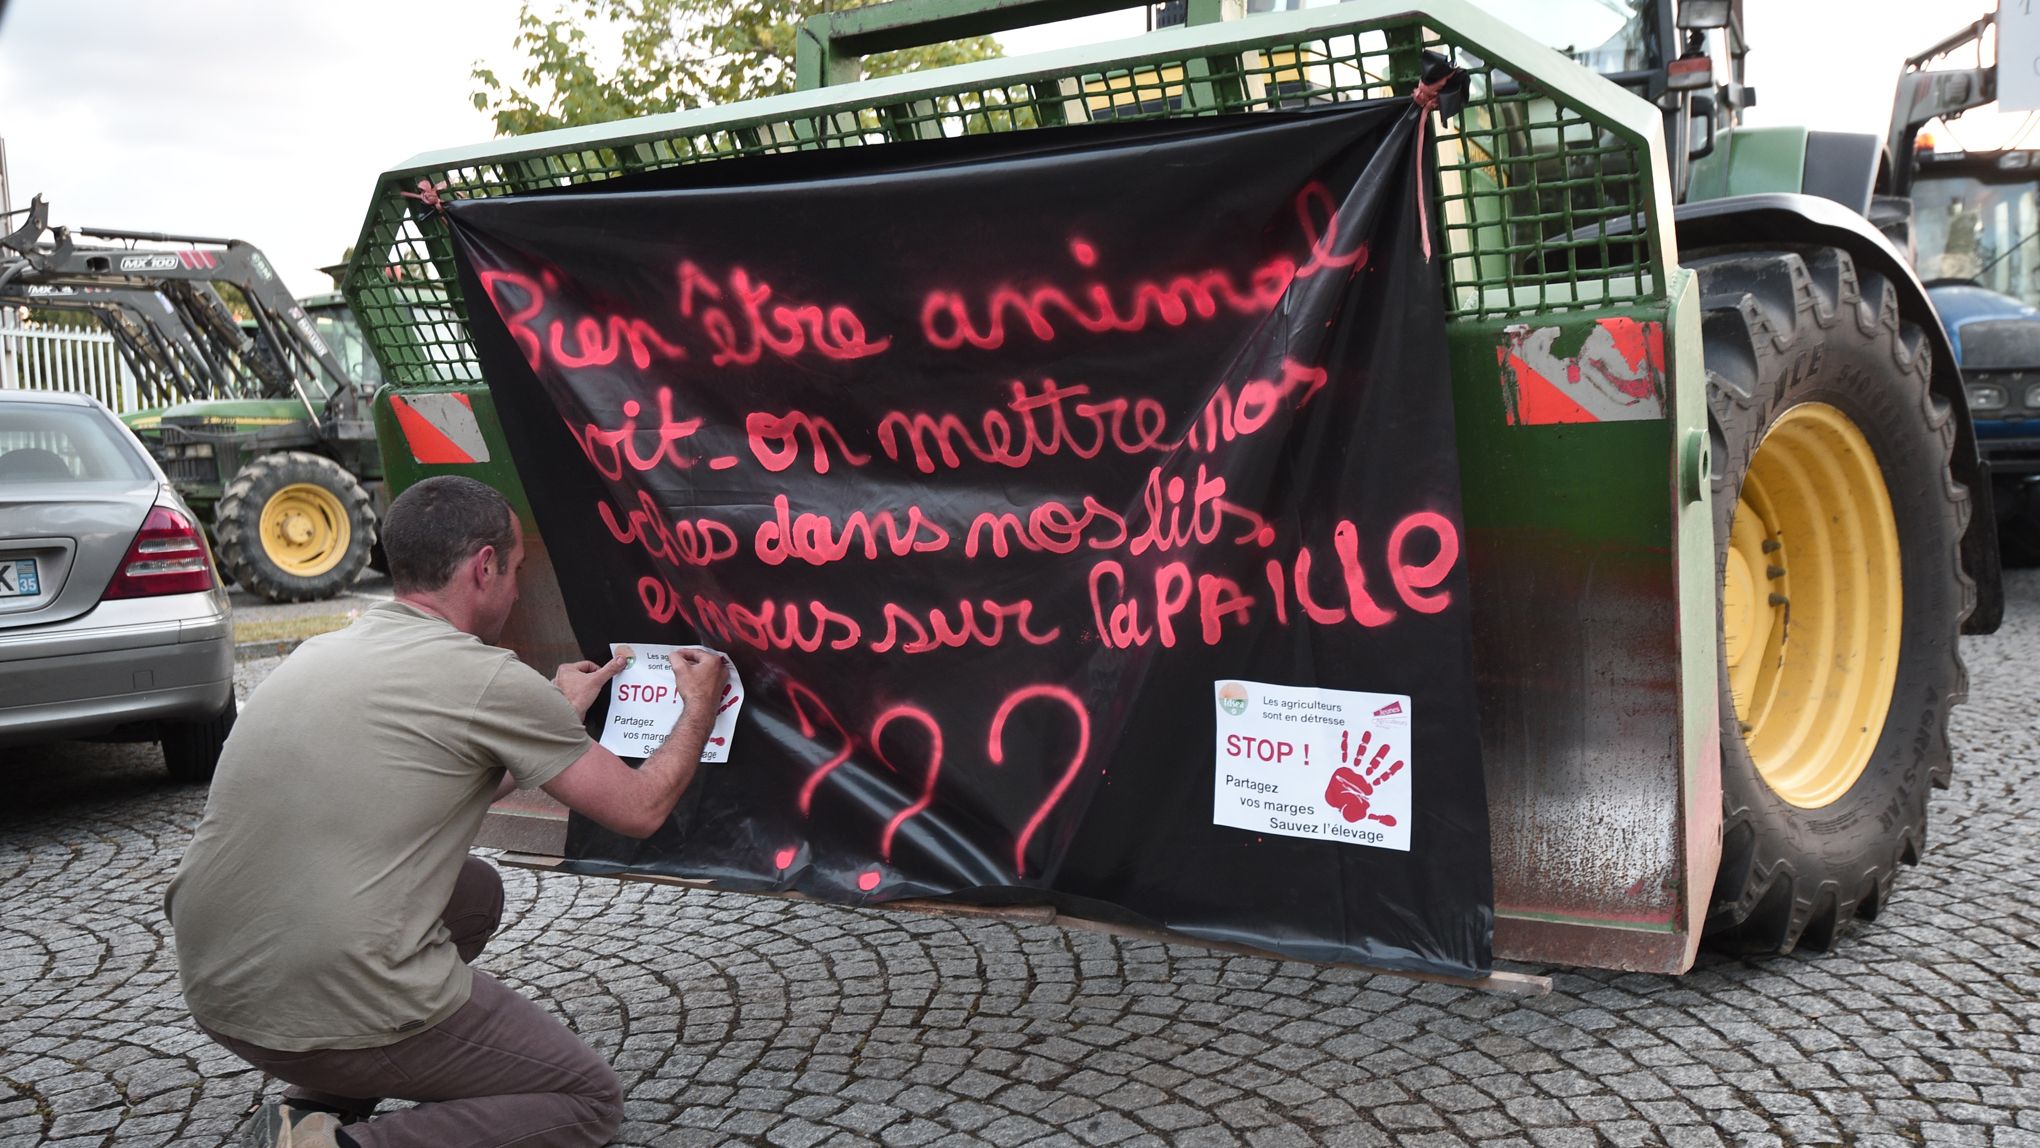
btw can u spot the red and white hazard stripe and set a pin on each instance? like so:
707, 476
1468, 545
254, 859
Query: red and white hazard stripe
440, 428
1616, 375
198, 260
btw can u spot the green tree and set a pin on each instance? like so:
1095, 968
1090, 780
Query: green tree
591, 61
62, 320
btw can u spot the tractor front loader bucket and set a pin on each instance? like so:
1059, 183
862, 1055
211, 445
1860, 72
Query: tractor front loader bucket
1576, 372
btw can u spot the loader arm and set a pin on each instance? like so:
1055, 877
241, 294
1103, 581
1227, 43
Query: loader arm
155, 336
155, 379
235, 365
187, 275
1926, 94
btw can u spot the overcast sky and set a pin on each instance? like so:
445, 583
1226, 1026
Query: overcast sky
269, 120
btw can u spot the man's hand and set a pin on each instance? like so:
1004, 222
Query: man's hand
582, 682
700, 676
637, 802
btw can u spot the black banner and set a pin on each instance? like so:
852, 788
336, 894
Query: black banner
1080, 507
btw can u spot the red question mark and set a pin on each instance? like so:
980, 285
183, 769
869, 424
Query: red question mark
794, 690
996, 746
934, 767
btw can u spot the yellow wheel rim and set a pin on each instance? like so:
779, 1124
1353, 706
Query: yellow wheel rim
1811, 605
305, 531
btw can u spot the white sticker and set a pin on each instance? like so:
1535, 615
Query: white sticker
644, 703
1305, 762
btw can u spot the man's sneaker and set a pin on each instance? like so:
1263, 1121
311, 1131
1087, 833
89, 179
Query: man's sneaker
281, 1126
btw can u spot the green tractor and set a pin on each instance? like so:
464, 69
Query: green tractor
1716, 648
1974, 240
261, 424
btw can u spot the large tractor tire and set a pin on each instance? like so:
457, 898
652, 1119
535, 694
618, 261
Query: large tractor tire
294, 527
1837, 545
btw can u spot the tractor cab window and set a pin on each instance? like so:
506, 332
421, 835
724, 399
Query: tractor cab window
1970, 229
343, 335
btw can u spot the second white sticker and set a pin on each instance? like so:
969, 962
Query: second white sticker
1300, 761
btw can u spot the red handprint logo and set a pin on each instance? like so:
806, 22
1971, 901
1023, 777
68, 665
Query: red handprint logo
1352, 790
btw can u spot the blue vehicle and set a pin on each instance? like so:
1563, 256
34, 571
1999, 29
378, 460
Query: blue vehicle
1973, 229
1997, 343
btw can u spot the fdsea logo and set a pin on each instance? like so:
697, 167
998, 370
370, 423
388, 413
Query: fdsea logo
1232, 698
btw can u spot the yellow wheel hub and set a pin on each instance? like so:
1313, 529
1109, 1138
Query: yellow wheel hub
1811, 605
305, 530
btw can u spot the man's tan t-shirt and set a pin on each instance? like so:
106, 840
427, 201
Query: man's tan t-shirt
307, 908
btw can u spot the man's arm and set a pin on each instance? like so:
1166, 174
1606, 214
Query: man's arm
581, 683
635, 802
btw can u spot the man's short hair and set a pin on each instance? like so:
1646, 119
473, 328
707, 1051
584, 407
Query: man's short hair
435, 526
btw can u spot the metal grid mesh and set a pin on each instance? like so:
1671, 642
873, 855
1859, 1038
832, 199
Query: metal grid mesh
1536, 198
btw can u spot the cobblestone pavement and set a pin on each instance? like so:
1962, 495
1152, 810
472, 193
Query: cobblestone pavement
735, 1019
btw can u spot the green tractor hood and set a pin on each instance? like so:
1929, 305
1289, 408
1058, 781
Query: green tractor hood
225, 414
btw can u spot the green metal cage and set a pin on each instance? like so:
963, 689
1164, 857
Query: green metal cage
1589, 543
1547, 185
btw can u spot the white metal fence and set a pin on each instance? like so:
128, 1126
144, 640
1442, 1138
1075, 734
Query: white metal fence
36, 357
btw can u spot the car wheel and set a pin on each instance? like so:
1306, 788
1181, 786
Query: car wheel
191, 750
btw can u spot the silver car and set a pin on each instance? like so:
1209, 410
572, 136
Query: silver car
114, 621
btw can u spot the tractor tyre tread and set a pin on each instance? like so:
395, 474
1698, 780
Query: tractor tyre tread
238, 514
1782, 326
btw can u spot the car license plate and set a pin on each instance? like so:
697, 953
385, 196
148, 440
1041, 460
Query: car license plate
18, 578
